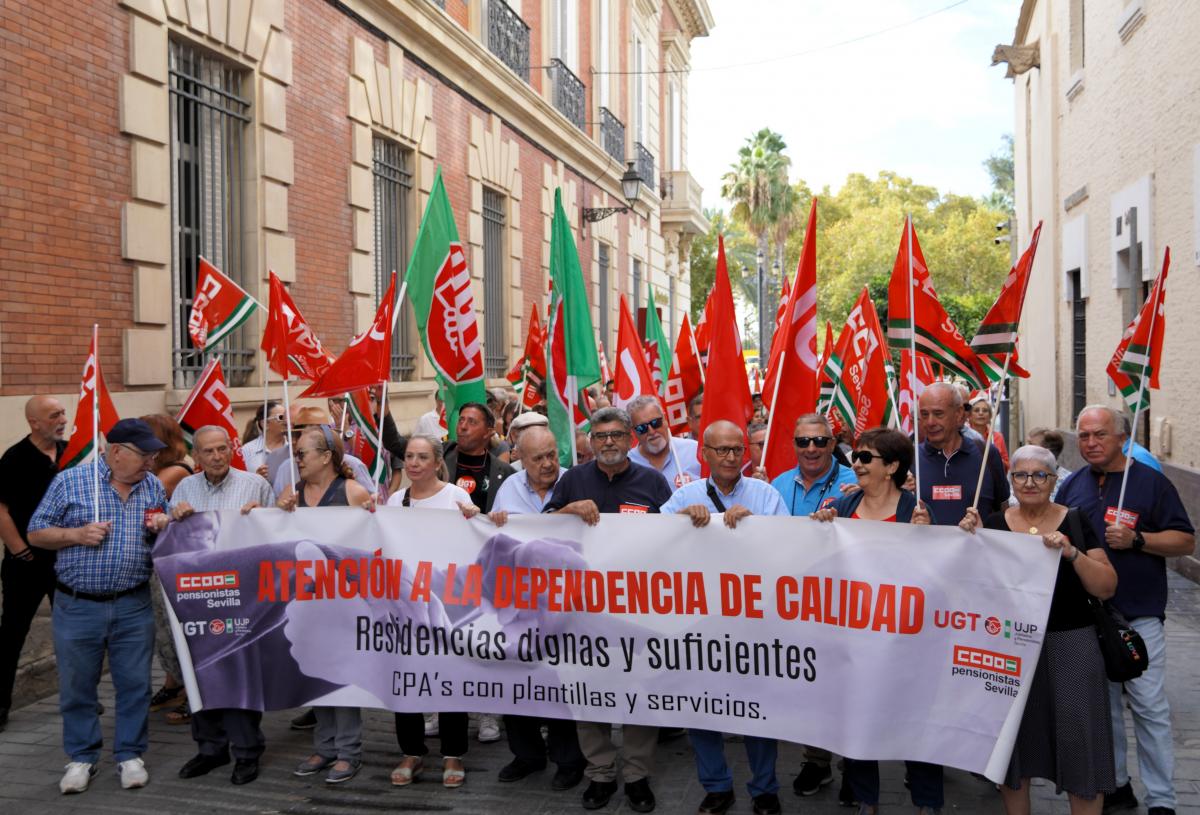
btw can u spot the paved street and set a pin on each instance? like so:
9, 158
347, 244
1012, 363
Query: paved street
31, 761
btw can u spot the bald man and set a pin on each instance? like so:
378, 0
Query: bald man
27, 574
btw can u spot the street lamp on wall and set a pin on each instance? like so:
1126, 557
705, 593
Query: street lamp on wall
631, 188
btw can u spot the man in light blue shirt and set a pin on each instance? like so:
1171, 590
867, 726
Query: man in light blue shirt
727, 491
674, 458
817, 479
527, 491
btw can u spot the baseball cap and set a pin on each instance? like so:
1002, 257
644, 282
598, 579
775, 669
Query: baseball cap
135, 432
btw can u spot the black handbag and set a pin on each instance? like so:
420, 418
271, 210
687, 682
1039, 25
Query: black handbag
1121, 646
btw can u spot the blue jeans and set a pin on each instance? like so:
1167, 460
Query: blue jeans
1151, 719
924, 781
83, 632
715, 775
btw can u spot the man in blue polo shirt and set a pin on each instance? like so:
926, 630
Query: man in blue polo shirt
613, 483
727, 491
949, 464
817, 479
1151, 526
102, 601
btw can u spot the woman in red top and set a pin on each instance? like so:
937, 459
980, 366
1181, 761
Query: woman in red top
979, 417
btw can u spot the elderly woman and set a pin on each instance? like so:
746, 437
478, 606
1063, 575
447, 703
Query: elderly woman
425, 467
326, 481
979, 417
1066, 732
881, 461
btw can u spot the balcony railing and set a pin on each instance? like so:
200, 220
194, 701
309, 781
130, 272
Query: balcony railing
612, 135
645, 164
569, 95
508, 37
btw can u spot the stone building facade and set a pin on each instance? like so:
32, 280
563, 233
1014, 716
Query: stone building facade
302, 136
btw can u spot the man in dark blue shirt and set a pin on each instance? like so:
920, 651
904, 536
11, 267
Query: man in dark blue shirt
613, 483
1149, 527
949, 464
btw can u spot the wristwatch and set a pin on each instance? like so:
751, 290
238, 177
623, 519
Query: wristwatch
1139, 541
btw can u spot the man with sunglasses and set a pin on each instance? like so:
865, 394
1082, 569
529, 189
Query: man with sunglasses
735, 496
613, 483
102, 601
675, 458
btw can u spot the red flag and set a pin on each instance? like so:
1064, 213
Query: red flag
79, 446
916, 309
532, 362
208, 404
367, 360
365, 444
858, 370
825, 352
684, 381
704, 325
996, 336
291, 346
220, 306
783, 301
1139, 353
605, 372
794, 365
913, 380
726, 394
633, 377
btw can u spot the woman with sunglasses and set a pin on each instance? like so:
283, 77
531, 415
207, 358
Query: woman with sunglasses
425, 466
326, 481
263, 437
881, 459
1066, 731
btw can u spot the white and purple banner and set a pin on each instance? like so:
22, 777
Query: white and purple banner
872, 640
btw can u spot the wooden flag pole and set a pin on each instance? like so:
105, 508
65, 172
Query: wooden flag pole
987, 442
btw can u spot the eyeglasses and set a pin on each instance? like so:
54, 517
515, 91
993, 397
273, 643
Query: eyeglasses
137, 452
866, 457
1039, 477
300, 453
726, 452
820, 441
644, 428
610, 435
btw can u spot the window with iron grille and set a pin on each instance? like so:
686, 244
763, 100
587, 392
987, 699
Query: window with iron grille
637, 286
1078, 345
208, 116
393, 190
602, 297
495, 350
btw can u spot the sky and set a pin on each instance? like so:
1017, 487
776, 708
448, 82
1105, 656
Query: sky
920, 100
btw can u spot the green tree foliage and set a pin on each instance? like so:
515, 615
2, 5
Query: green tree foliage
1000, 167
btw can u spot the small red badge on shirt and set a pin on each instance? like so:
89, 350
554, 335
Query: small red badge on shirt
633, 509
1129, 518
467, 483
947, 492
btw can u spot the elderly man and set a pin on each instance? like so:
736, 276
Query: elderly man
675, 458
528, 492
817, 479
948, 464
102, 603
613, 483
695, 409
757, 433
727, 491
516, 428
1151, 526
219, 486
26, 470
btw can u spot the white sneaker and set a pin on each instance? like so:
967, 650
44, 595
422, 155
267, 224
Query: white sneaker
489, 728
133, 774
77, 777
431, 724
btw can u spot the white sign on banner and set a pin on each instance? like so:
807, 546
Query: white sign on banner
873, 640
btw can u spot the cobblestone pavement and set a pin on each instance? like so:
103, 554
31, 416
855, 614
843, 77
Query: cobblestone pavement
31, 761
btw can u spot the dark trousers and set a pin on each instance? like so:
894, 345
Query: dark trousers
924, 782
216, 731
526, 742
25, 584
410, 734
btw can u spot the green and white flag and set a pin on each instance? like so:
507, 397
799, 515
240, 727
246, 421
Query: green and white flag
658, 347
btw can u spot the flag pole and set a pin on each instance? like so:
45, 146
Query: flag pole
287, 413
380, 464
345, 410
571, 396
987, 442
96, 427
1137, 409
696, 352
771, 415
912, 343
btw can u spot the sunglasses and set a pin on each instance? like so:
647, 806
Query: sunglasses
644, 428
866, 457
820, 441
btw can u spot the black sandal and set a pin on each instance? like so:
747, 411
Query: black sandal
165, 697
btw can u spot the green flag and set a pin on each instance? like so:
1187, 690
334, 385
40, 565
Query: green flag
439, 286
573, 362
658, 347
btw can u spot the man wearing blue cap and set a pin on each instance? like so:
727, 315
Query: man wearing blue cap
102, 601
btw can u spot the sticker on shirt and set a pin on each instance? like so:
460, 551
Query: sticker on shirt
683, 478
633, 509
828, 502
947, 492
467, 483
148, 515
1129, 518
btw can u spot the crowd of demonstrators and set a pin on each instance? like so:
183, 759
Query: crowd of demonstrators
1072, 732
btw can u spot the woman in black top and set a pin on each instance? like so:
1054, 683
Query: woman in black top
1066, 731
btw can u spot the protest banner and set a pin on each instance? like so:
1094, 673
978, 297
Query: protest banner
873, 640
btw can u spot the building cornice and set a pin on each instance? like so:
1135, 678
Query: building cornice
694, 15
1023, 19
